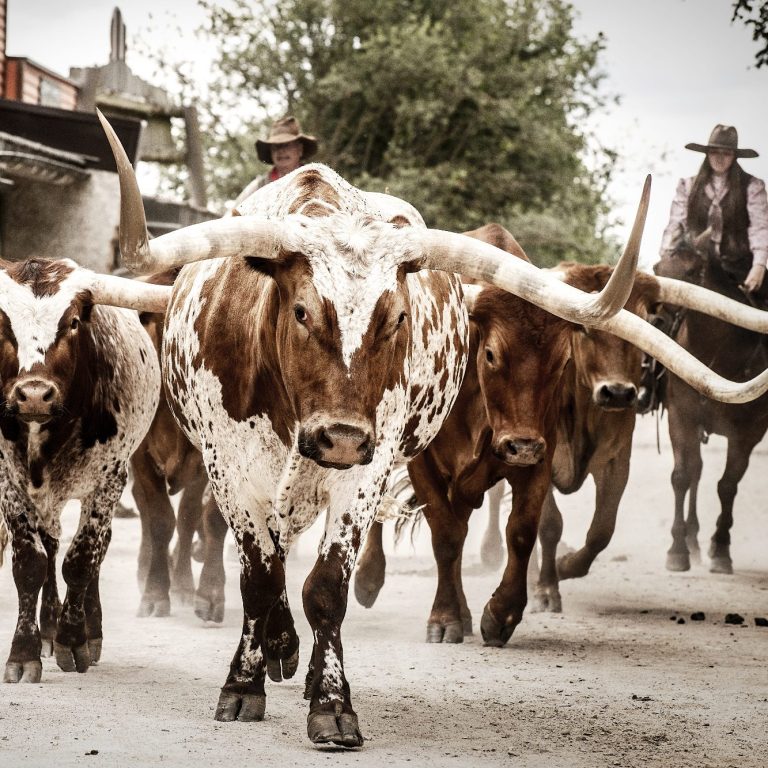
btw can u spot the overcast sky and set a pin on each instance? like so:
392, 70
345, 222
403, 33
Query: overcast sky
679, 67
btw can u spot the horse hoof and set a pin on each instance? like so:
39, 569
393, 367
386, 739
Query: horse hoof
245, 707
678, 562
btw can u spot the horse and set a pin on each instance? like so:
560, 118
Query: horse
733, 352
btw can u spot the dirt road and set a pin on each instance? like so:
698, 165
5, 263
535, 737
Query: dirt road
610, 682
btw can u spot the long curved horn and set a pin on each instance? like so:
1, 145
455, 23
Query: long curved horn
683, 294
237, 236
131, 294
637, 331
450, 252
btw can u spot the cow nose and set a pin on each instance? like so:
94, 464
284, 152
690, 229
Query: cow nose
338, 445
616, 395
521, 451
34, 399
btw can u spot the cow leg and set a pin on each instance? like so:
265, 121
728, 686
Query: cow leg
466, 615
189, 520
685, 475
371, 567
50, 605
262, 582
331, 716
157, 524
73, 646
610, 484
209, 598
449, 530
30, 566
491, 547
546, 595
504, 610
739, 450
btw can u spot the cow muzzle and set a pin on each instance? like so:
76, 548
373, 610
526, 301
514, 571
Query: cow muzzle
337, 445
34, 400
520, 451
615, 396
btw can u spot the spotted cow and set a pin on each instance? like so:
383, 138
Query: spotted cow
80, 382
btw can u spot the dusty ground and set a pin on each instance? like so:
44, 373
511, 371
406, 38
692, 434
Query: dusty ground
611, 681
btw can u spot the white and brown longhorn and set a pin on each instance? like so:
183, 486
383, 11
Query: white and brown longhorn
80, 383
311, 342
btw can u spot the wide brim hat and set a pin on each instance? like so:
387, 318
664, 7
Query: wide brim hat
285, 130
723, 137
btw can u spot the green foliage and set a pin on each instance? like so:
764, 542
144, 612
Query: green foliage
472, 110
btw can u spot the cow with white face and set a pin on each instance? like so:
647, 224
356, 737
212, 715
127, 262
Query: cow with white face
308, 347
80, 383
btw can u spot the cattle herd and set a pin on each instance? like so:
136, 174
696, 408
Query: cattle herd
282, 362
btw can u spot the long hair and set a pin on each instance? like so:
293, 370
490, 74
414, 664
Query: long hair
734, 204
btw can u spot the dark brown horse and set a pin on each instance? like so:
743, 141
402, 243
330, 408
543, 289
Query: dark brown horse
732, 352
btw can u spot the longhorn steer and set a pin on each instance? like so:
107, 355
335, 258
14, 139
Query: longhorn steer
80, 383
304, 365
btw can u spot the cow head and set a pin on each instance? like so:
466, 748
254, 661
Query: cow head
45, 312
606, 365
342, 332
522, 352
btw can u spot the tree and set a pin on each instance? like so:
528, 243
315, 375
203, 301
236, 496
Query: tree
754, 15
473, 110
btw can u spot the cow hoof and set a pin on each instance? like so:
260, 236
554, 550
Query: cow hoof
183, 596
76, 659
450, 632
367, 591
158, 608
693, 551
495, 634
23, 672
721, 565
46, 650
283, 669
245, 707
329, 728
466, 623
94, 649
678, 561
209, 609
547, 601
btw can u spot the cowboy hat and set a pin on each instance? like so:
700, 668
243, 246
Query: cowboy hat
285, 130
723, 137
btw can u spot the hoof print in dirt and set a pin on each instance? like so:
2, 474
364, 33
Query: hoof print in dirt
734, 618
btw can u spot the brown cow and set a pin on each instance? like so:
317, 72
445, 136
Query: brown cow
164, 464
595, 428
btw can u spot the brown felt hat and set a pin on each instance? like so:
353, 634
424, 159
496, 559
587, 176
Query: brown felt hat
285, 130
723, 137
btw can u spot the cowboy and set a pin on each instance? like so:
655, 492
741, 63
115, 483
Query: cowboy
730, 202
285, 149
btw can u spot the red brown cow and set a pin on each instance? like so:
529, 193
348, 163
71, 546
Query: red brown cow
80, 382
166, 463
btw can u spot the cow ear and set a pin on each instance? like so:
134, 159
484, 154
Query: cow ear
267, 267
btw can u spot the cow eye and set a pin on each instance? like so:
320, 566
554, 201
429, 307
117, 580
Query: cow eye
75, 324
489, 355
401, 318
300, 313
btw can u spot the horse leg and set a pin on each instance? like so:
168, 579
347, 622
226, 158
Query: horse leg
686, 449
492, 548
371, 567
546, 594
736, 465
